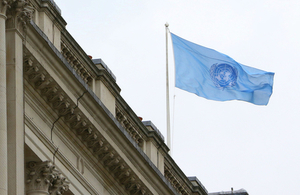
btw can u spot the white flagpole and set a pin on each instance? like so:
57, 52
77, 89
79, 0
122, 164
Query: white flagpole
167, 92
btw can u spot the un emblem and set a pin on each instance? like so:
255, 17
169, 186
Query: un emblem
223, 75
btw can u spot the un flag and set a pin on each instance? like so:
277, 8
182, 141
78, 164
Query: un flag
213, 75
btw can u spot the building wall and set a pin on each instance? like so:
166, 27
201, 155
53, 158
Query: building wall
69, 130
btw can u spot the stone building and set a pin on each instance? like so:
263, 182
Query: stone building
64, 127
232, 192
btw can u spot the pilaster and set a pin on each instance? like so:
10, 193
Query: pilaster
15, 118
3, 117
18, 14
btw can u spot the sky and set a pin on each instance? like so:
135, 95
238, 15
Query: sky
224, 144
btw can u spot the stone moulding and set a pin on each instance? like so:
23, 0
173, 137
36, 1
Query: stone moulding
174, 182
85, 130
130, 127
76, 64
51, 92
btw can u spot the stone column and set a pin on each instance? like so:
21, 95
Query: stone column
18, 15
44, 179
3, 117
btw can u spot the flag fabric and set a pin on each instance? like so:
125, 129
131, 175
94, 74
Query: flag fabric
215, 76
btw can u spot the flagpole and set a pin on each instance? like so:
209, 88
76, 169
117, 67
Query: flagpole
167, 92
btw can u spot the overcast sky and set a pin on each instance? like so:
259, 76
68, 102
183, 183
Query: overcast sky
224, 144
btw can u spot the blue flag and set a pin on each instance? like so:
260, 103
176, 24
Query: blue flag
213, 75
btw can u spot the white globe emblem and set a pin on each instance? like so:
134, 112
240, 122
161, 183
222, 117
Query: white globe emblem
223, 75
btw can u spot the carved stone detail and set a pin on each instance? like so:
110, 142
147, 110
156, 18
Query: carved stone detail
59, 185
75, 63
80, 125
170, 176
19, 14
129, 126
43, 177
4, 4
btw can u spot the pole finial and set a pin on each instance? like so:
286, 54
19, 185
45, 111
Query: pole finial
167, 24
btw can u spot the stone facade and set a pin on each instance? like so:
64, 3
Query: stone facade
64, 127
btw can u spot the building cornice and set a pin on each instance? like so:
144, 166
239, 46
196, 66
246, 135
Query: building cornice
52, 11
51, 92
90, 135
178, 178
83, 127
131, 122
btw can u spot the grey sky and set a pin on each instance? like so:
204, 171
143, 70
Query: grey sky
225, 144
